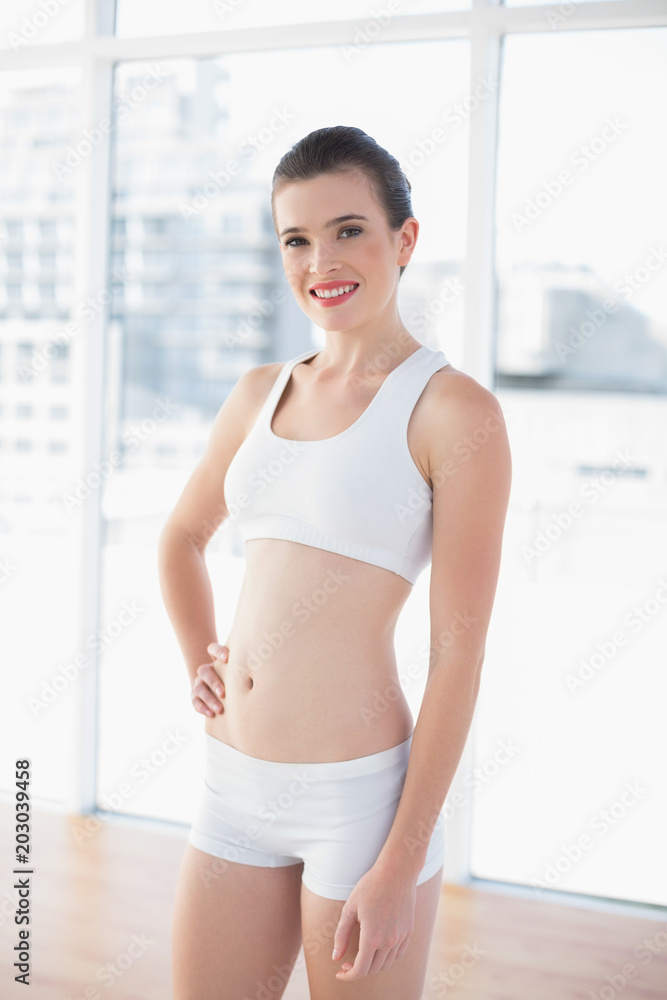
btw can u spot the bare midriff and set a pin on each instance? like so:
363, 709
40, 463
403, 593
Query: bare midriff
311, 657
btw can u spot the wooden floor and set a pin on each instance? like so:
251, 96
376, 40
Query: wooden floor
91, 901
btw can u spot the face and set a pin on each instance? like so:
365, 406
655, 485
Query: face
340, 256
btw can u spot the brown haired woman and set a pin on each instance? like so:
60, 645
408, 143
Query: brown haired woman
346, 470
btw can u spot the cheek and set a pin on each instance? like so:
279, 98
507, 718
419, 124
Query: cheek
367, 258
289, 268
294, 275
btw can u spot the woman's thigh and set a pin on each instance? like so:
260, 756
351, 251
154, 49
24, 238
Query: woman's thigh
236, 928
404, 980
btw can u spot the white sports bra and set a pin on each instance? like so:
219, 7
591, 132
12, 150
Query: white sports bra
358, 493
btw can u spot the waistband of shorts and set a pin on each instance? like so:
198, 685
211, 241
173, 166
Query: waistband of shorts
370, 764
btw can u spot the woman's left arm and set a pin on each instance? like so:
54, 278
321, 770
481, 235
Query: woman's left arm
470, 468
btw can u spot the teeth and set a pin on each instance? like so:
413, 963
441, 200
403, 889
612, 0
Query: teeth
326, 293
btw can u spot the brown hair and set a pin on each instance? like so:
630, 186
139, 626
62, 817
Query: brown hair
345, 147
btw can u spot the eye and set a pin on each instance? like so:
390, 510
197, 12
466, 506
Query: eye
299, 240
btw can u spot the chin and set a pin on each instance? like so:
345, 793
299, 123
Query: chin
329, 323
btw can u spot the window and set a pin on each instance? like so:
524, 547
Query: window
577, 312
155, 290
582, 378
154, 227
47, 229
232, 224
36, 531
21, 24
59, 372
156, 258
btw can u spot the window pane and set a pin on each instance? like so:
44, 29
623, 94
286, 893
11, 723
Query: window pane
575, 310
138, 19
39, 431
579, 631
24, 22
203, 231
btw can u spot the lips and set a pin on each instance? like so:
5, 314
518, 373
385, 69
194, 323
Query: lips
334, 296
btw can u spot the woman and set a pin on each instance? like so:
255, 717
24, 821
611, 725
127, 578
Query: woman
345, 469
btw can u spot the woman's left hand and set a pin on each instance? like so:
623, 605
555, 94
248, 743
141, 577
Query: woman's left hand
383, 905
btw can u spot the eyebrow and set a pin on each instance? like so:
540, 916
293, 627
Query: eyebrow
327, 225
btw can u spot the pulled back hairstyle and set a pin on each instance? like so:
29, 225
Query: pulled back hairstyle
345, 147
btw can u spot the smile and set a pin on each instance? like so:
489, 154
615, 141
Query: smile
335, 295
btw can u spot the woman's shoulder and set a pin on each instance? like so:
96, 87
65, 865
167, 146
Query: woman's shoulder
456, 403
449, 386
257, 381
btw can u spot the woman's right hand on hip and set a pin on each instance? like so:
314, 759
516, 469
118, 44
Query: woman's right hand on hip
208, 689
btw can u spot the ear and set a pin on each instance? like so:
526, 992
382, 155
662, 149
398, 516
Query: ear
407, 239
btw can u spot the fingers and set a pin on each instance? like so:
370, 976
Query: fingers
201, 706
207, 684
205, 701
350, 972
402, 948
218, 651
368, 966
369, 960
211, 677
390, 959
362, 963
341, 939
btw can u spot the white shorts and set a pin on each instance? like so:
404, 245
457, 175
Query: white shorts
335, 816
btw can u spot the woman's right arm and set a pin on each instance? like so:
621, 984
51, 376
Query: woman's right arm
199, 511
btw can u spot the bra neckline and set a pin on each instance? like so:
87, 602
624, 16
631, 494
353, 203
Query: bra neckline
360, 418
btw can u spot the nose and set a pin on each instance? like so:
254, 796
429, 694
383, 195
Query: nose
323, 259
